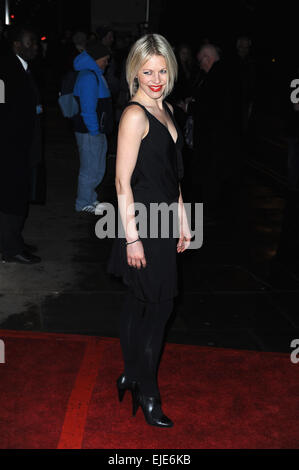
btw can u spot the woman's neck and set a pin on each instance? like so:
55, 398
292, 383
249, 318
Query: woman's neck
145, 100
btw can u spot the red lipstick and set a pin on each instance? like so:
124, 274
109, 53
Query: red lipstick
156, 88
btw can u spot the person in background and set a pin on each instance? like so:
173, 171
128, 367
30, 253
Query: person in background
18, 126
94, 121
92, 37
64, 56
105, 34
180, 99
187, 72
216, 134
80, 40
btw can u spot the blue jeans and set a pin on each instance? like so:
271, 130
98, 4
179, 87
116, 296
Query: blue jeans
92, 151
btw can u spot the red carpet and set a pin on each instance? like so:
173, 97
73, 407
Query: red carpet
58, 391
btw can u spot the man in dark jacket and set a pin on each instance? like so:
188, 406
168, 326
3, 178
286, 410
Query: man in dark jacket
18, 120
216, 131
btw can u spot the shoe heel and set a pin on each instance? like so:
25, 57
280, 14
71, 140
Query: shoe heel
121, 393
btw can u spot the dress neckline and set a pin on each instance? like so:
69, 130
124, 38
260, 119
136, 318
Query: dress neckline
163, 125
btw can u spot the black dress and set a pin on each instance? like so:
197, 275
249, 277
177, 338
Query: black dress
155, 179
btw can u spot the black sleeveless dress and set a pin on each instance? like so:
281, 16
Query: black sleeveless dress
155, 179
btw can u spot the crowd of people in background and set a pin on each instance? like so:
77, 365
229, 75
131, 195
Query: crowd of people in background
213, 103
56, 56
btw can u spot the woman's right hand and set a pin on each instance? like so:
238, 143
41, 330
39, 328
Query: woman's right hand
135, 255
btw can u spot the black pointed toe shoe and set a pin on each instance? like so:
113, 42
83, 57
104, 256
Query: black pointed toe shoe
151, 407
124, 384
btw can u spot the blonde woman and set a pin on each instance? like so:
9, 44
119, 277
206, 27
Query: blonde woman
148, 170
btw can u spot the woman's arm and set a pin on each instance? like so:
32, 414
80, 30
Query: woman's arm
133, 127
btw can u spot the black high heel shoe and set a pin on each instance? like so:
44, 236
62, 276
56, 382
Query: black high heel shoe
151, 407
124, 384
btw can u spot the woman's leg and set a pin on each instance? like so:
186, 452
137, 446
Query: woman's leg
142, 328
129, 332
152, 332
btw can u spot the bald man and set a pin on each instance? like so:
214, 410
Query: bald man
207, 56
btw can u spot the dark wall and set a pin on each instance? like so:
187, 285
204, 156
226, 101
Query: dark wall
272, 25
52, 15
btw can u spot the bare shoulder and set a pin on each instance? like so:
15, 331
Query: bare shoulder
134, 122
134, 115
169, 106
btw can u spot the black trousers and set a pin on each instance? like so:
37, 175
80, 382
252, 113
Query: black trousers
11, 240
142, 328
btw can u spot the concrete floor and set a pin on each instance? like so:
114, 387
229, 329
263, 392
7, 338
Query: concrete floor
226, 299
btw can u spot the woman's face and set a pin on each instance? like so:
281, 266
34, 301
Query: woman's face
153, 77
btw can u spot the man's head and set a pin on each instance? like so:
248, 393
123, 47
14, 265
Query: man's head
99, 53
80, 39
23, 43
105, 35
207, 56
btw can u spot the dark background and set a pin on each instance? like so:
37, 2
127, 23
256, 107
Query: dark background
51, 15
273, 26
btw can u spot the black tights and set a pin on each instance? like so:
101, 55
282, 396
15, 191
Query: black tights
142, 327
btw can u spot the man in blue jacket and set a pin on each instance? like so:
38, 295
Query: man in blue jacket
94, 121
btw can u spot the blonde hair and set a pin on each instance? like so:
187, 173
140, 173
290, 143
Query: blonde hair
143, 49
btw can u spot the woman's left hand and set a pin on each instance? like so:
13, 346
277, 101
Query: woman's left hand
184, 240
185, 234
